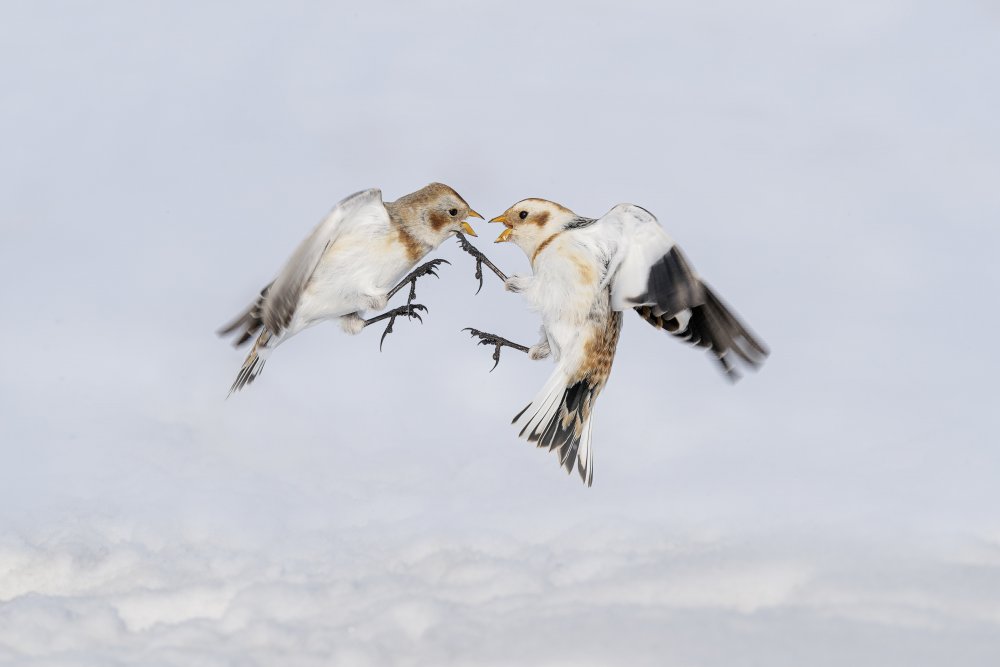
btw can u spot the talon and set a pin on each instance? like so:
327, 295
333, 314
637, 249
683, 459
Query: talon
492, 339
480, 260
427, 268
411, 310
479, 274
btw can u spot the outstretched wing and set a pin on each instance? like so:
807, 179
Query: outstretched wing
277, 302
654, 277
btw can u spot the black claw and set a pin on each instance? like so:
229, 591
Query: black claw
425, 269
410, 310
492, 339
480, 260
479, 274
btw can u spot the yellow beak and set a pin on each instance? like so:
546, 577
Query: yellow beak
504, 235
499, 218
467, 228
473, 214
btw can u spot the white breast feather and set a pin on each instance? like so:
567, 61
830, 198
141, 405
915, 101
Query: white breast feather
362, 261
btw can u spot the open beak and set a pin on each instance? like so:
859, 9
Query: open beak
466, 227
504, 235
499, 218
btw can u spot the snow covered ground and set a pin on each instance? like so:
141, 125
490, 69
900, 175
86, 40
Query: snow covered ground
592, 595
830, 169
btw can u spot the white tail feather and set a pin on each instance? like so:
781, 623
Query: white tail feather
549, 406
546, 403
585, 457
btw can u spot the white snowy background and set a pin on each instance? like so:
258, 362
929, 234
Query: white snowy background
832, 168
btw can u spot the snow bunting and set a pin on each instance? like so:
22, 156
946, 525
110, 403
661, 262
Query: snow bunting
352, 262
586, 272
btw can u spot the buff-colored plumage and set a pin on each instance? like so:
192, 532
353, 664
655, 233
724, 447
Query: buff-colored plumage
586, 272
347, 266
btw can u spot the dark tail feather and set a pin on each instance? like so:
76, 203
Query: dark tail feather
559, 420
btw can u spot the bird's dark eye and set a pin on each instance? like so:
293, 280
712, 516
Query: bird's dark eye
453, 211
523, 215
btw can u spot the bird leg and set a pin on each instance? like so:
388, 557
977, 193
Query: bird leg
491, 339
410, 310
480, 260
426, 269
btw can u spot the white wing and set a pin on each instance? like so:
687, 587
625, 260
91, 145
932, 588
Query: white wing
277, 302
645, 245
652, 275
285, 291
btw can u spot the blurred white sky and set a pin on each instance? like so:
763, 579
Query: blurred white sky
831, 169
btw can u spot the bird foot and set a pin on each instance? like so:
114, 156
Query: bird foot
426, 269
492, 339
410, 310
480, 260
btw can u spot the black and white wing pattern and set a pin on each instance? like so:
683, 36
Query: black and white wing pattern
654, 277
277, 302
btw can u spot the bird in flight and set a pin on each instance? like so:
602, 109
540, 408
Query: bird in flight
355, 260
586, 272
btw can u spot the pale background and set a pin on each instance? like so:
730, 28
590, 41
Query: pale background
831, 168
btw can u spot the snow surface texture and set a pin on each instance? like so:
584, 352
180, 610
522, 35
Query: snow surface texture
584, 597
831, 168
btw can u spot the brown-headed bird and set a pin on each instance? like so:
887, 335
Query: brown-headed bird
586, 272
353, 261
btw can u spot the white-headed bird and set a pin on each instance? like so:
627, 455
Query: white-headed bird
586, 272
353, 261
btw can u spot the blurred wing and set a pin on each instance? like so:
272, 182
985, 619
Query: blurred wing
655, 278
282, 296
648, 271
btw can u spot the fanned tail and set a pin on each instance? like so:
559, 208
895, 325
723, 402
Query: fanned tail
561, 416
559, 419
